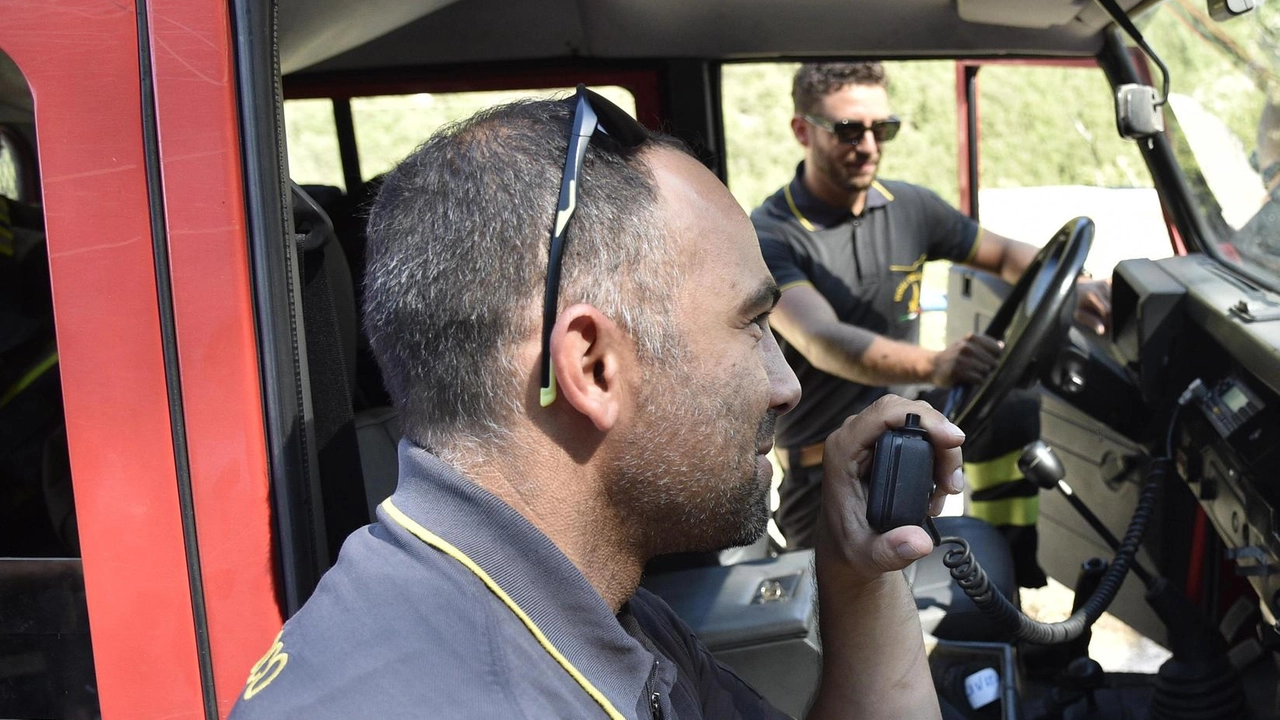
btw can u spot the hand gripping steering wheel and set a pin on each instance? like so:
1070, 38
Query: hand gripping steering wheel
1032, 322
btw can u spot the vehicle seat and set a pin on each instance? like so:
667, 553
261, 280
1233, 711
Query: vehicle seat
378, 436
945, 611
377, 429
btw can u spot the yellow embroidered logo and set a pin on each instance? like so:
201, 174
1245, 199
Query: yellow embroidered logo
266, 669
910, 284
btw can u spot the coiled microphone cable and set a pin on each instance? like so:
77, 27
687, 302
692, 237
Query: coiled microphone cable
969, 575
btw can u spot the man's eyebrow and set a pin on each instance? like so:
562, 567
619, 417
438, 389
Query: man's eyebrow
762, 299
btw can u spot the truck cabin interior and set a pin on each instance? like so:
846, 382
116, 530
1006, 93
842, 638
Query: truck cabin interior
1188, 370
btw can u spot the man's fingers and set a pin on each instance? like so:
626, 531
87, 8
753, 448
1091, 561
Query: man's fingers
1094, 306
991, 345
899, 547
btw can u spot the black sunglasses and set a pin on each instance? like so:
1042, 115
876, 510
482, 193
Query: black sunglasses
851, 132
591, 113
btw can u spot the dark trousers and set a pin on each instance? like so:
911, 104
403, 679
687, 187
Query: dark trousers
996, 490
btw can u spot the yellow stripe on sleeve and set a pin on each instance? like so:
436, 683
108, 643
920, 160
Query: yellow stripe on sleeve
973, 249
794, 283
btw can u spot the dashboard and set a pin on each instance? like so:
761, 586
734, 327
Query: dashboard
1187, 327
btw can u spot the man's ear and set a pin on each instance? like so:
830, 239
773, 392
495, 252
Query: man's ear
589, 351
800, 129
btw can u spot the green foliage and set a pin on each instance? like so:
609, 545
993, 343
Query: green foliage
1043, 125
389, 127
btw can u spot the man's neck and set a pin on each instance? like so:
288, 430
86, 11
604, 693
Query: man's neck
833, 195
580, 524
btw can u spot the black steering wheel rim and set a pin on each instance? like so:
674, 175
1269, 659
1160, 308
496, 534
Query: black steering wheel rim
1026, 322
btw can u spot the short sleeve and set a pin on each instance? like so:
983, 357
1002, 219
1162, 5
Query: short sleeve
951, 234
781, 256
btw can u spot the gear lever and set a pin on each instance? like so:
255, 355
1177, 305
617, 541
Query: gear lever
1042, 466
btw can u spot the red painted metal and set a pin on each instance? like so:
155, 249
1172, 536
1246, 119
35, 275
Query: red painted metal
192, 57
1195, 563
81, 60
967, 187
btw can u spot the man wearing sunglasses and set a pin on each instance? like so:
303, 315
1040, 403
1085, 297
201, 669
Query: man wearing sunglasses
848, 251
586, 379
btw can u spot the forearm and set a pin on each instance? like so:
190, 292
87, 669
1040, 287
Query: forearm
1002, 256
1017, 257
862, 356
873, 659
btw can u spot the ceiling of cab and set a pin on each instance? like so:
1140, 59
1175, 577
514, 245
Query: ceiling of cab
320, 35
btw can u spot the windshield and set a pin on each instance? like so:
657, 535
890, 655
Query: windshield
1223, 120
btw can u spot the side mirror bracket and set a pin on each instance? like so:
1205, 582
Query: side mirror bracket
1221, 10
1138, 113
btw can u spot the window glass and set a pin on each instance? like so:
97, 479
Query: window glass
313, 143
1223, 121
1043, 161
9, 186
389, 127
762, 153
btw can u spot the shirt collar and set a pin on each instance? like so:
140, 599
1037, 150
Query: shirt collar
529, 567
823, 215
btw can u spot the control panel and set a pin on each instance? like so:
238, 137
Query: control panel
1230, 442
1230, 406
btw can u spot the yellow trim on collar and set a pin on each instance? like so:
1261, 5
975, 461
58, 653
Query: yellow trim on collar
887, 195
445, 547
791, 203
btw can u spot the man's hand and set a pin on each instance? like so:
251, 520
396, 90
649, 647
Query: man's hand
967, 362
873, 660
1093, 304
844, 536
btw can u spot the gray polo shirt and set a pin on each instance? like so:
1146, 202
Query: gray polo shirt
869, 269
402, 627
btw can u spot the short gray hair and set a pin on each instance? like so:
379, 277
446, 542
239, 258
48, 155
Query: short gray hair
457, 262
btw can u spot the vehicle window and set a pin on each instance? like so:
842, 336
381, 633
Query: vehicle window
762, 153
313, 143
1223, 120
1043, 162
45, 648
8, 167
389, 127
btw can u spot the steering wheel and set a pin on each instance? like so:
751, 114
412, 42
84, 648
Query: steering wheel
1032, 322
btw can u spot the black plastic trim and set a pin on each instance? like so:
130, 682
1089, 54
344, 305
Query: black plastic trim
172, 372
1170, 183
299, 526
345, 127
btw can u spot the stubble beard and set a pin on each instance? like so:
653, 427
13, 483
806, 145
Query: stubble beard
837, 174
690, 479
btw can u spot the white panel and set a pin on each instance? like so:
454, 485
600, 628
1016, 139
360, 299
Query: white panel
1020, 13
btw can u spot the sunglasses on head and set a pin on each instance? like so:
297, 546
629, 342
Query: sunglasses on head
851, 132
592, 113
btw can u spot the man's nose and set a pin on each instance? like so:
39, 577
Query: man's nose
867, 143
784, 387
